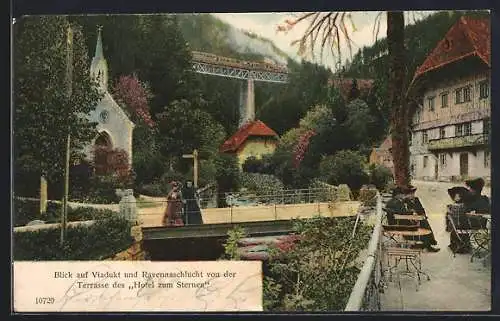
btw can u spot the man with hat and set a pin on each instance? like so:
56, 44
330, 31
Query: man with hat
475, 201
396, 205
414, 206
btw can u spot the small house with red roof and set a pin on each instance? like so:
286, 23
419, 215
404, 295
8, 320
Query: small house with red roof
382, 155
254, 138
451, 117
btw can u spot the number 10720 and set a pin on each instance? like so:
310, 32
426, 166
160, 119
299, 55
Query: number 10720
45, 300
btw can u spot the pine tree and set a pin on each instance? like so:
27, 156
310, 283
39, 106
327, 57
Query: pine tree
42, 111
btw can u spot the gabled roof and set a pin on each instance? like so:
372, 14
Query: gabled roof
467, 37
386, 145
252, 128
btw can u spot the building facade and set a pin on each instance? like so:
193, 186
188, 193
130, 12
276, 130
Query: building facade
383, 155
113, 125
451, 123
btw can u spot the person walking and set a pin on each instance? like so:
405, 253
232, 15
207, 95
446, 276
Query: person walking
173, 212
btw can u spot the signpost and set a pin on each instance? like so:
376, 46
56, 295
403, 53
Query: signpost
43, 195
194, 156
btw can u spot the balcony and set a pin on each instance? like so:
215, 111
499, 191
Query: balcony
458, 142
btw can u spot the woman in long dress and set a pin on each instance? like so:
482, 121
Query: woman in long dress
173, 212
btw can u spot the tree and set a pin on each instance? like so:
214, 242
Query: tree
43, 114
227, 176
332, 27
345, 167
183, 127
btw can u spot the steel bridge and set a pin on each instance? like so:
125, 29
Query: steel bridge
210, 64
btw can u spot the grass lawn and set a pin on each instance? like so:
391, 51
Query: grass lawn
143, 203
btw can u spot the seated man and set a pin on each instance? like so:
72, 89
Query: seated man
396, 205
475, 201
414, 206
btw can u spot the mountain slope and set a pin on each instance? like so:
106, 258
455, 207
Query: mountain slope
204, 32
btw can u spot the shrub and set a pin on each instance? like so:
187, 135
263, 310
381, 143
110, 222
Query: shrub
111, 161
261, 184
25, 211
322, 244
367, 195
103, 190
153, 189
380, 176
89, 213
169, 176
253, 165
227, 176
94, 242
345, 167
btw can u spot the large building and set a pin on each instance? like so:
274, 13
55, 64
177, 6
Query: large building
451, 122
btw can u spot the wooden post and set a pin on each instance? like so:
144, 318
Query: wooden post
66, 191
194, 156
195, 168
69, 77
43, 195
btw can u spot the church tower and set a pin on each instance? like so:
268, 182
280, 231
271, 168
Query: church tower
99, 66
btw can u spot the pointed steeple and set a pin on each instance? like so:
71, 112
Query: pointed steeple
99, 66
98, 48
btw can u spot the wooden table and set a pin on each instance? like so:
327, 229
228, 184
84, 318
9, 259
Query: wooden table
419, 232
409, 217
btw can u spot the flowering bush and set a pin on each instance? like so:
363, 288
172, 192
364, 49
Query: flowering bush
111, 161
134, 95
301, 147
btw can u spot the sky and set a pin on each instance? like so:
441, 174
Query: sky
264, 24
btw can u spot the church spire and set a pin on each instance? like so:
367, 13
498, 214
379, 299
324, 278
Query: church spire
98, 48
99, 66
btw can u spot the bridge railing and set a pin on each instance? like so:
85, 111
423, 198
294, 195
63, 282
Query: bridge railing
365, 295
295, 196
244, 207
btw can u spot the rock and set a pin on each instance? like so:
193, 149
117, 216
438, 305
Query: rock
35, 222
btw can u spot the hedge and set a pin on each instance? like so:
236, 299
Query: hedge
94, 242
25, 211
